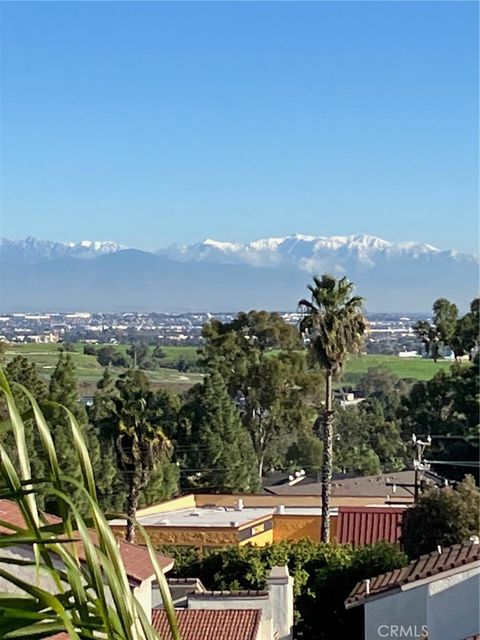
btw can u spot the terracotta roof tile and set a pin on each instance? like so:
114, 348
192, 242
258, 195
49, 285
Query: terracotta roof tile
213, 624
432, 564
135, 558
244, 593
367, 525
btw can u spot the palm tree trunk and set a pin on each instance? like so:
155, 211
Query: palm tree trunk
260, 464
132, 506
327, 457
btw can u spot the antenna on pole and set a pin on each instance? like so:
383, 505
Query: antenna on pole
419, 463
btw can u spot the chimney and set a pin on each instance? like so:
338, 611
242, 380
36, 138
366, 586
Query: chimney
280, 587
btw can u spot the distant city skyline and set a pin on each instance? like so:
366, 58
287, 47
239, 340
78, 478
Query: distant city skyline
157, 123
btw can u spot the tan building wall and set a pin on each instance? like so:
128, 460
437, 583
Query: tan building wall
284, 527
261, 500
296, 527
186, 536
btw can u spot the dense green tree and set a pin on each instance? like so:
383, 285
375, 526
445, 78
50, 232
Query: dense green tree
467, 331
447, 408
442, 517
445, 315
331, 577
109, 355
324, 575
334, 325
139, 354
111, 486
305, 453
429, 336
20, 371
89, 350
232, 347
460, 334
267, 377
158, 354
365, 442
63, 391
103, 403
136, 424
383, 390
276, 402
218, 455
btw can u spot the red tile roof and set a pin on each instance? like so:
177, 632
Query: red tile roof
367, 525
136, 559
457, 556
213, 624
243, 593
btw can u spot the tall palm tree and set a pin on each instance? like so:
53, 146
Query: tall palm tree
140, 441
334, 324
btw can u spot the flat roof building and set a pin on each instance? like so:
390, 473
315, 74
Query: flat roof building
217, 520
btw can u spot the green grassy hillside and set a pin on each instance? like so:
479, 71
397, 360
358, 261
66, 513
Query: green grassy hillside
89, 371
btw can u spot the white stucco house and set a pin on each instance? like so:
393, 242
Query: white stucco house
230, 615
435, 597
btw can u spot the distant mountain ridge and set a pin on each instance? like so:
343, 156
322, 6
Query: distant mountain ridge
309, 253
30, 249
271, 273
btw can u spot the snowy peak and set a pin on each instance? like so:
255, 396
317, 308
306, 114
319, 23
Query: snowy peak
313, 254
309, 253
31, 250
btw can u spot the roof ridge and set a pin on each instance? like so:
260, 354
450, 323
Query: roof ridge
425, 566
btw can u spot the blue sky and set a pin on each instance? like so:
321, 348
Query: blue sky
153, 123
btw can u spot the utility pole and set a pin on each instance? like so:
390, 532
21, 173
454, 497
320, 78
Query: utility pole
418, 462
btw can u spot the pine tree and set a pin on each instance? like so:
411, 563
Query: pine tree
21, 371
219, 454
63, 391
111, 485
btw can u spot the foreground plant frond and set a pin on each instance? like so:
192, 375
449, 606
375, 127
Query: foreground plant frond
47, 589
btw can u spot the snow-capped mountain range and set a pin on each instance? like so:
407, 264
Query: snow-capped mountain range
30, 249
308, 253
271, 274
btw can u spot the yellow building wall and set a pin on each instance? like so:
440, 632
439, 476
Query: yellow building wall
287, 527
260, 540
183, 536
183, 502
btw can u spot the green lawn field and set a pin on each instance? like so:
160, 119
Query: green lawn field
406, 368
45, 356
89, 371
